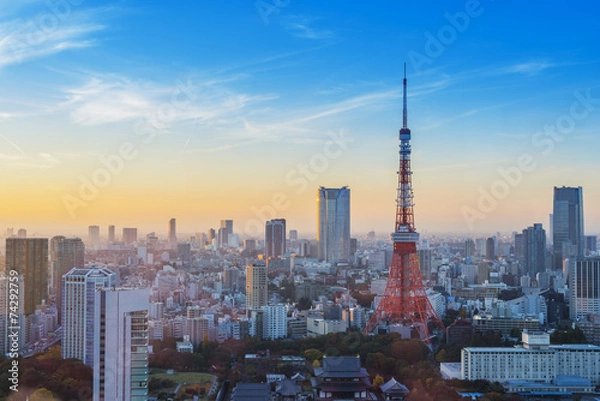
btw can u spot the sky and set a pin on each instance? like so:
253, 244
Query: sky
134, 112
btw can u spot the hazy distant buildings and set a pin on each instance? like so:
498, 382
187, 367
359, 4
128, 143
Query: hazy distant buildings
333, 224
223, 233
29, 257
256, 286
275, 241
94, 235
130, 236
79, 287
567, 224
121, 344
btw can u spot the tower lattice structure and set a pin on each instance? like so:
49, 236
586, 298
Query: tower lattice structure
405, 299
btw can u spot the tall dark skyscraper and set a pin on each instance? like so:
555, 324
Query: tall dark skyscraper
29, 257
172, 234
533, 241
65, 254
275, 238
333, 224
567, 227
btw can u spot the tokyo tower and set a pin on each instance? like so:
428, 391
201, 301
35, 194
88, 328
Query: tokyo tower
405, 300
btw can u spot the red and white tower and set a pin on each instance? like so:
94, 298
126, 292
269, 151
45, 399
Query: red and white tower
405, 300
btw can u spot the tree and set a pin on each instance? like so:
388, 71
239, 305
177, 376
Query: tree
41, 394
378, 381
312, 354
316, 364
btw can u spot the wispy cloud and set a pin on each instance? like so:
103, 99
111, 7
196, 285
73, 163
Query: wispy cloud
526, 68
303, 27
45, 34
108, 98
294, 126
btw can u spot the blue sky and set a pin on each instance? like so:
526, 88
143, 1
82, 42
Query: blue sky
224, 101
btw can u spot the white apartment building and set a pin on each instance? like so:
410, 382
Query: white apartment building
275, 321
79, 287
121, 344
536, 361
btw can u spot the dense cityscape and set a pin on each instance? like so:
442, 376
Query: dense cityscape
285, 201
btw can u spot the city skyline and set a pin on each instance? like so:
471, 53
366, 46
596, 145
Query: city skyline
235, 112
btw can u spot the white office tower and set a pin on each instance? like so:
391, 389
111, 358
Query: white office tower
121, 345
584, 286
79, 287
275, 322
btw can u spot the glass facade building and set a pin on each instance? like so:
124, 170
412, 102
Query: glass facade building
333, 224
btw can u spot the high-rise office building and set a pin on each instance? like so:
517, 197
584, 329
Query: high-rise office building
230, 277
591, 242
534, 250
29, 257
256, 286
172, 234
65, 254
469, 248
129, 235
584, 286
121, 344
111, 233
79, 287
490, 248
94, 235
275, 240
22, 233
333, 224
567, 224
223, 234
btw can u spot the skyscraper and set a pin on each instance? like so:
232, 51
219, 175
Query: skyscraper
121, 344
333, 224
567, 224
94, 234
29, 257
111, 233
129, 235
223, 234
79, 287
256, 286
534, 250
65, 254
275, 238
584, 286
172, 234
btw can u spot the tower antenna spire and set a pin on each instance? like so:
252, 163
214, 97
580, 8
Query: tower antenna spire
404, 109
